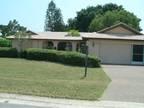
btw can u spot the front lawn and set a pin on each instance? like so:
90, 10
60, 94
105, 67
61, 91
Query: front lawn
50, 79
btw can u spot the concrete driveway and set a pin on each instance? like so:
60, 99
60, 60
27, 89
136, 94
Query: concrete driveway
127, 83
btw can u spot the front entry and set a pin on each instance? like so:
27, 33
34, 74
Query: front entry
138, 54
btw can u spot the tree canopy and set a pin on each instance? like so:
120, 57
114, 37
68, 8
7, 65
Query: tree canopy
11, 28
86, 18
54, 19
113, 17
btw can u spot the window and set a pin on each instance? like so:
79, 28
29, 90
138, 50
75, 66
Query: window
138, 53
50, 45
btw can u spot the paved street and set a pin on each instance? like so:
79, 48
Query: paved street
5, 105
127, 83
22, 101
71, 104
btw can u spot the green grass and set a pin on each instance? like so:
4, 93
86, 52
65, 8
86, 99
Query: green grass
50, 79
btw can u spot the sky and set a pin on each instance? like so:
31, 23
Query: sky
31, 13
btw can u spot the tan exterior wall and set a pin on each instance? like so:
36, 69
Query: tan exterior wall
40, 44
28, 44
120, 30
109, 51
36, 43
112, 51
25, 44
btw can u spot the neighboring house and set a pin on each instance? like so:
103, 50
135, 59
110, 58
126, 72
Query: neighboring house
119, 44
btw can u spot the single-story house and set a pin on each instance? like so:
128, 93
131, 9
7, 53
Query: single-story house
118, 44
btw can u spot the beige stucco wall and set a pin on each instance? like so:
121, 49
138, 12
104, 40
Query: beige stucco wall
120, 30
36, 43
39, 44
112, 51
28, 44
109, 51
16, 44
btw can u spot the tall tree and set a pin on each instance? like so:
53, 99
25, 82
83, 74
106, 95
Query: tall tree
113, 17
11, 28
54, 19
58, 21
71, 24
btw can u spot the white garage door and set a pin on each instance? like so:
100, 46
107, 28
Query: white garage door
115, 53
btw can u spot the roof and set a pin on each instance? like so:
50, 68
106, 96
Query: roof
94, 35
31, 32
114, 37
121, 25
52, 36
56, 36
86, 35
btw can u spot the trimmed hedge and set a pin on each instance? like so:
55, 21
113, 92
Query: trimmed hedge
69, 58
4, 42
8, 52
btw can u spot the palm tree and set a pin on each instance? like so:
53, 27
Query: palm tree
22, 36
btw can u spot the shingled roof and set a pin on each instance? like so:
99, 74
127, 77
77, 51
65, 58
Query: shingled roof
83, 35
114, 37
136, 32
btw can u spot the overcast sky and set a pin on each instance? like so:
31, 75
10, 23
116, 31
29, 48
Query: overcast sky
31, 13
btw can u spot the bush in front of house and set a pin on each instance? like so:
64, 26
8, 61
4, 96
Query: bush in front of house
4, 42
73, 33
64, 57
8, 52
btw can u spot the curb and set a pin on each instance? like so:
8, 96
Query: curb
63, 103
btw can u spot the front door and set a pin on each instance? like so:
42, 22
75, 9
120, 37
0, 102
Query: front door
138, 54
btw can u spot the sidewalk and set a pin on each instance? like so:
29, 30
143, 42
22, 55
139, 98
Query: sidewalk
63, 103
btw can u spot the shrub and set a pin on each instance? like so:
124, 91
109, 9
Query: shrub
8, 52
64, 57
74, 33
22, 54
4, 42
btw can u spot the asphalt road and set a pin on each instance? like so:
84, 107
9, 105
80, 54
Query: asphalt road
127, 83
5, 105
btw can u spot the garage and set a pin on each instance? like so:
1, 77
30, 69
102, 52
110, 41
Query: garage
111, 51
115, 53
